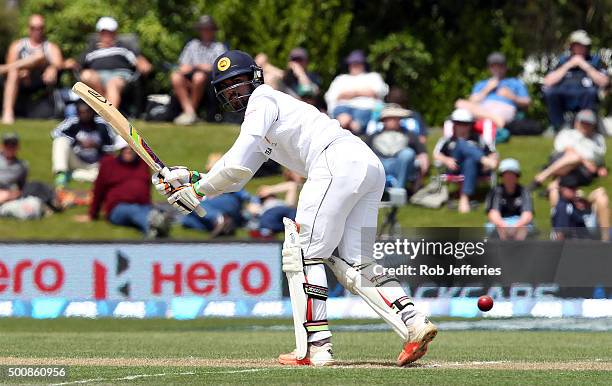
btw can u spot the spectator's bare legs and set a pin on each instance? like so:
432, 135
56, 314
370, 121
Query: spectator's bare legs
114, 87
11, 86
480, 112
180, 85
600, 202
560, 167
92, 79
464, 203
198, 82
347, 123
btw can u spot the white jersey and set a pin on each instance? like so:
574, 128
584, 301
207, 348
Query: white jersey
278, 126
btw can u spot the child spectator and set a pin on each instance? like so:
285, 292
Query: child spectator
123, 191
191, 79
498, 97
402, 154
352, 97
576, 216
109, 65
574, 83
509, 206
466, 153
13, 175
579, 151
32, 64
78, 145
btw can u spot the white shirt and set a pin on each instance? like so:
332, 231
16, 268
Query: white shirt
284, 129
590, 148
347, 82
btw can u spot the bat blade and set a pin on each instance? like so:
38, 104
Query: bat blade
119, 124
123, 128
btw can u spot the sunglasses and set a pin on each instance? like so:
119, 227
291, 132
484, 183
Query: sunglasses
36, 27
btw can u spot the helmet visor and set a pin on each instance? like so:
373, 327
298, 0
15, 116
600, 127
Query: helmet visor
234, 93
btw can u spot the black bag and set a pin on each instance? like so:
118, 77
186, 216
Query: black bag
525, 126
161, 108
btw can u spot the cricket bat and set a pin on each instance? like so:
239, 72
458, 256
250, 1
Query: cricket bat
123, 128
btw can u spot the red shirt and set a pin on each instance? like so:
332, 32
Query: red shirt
119, 182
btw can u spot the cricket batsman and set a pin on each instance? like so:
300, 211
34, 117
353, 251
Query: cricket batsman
338, 203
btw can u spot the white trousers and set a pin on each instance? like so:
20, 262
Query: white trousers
63, 159
338, 208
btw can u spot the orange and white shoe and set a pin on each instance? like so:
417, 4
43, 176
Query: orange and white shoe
421, 331
316, 356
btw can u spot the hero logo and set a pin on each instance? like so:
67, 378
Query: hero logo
201, 278
48, 276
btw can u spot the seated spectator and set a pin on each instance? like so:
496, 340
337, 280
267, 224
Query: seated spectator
78, 145
269, 211
299, 81
192, 77
574, 83
13, 175
498, 97
108, 65
576, 216
123, 191
509, 205
579, 151
403, 156
32, 64
466, 153
223, 212
352, 97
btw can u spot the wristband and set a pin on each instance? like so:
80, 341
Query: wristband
195, 176
197, 190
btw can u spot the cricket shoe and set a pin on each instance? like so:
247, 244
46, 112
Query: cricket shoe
421, 331
316, 356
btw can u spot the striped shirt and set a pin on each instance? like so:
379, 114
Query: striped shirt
196, 52
110, 58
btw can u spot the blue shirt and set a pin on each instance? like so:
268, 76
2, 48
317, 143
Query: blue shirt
513, 84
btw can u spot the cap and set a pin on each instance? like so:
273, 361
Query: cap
206, 21
496, 58
462, 116
107, 23
298, 53
10, 139
579, 36
509, 165
569, 181
394, 110
586, 116
356, 56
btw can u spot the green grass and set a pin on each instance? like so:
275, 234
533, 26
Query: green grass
367, 356
190, 146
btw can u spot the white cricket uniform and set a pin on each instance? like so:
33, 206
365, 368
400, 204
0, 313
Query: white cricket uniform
345, 179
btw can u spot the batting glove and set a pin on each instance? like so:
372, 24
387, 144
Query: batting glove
186, 199
166, 180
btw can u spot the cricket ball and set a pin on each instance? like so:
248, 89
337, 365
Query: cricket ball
485, 303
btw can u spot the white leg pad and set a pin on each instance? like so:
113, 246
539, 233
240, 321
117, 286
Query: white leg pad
351, 278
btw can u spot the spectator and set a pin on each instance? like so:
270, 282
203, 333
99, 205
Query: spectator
403, 156
299, 81
78, 145
498, 97
576, 216
579, 151
223, 212
108, 64
123, 190
509, 205
273, 76
413, 123
268, 213
32, 64
352, 97
13, 175
466, 153
191, 79
574, 83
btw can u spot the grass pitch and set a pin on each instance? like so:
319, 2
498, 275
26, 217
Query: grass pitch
224, 351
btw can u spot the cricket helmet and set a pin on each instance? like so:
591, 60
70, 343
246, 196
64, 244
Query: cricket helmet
234, 78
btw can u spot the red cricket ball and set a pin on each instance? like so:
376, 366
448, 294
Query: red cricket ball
485, 303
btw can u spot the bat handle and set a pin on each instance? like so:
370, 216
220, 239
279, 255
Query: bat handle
201, 212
